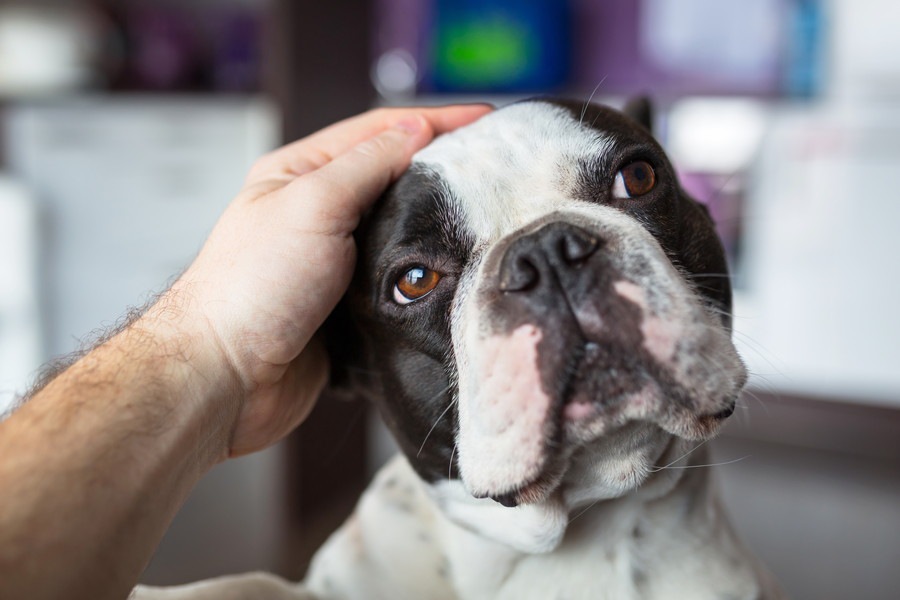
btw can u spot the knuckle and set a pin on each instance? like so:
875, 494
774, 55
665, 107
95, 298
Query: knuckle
378, 147
314, 158
264, 159
371, 149
260, 165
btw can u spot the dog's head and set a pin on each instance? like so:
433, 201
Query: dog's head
542, 313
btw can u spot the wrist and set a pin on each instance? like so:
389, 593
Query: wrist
192, 366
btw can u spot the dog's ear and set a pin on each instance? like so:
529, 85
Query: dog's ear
349, 375
640, 109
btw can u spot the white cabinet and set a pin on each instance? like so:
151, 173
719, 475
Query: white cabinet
20, 333
819, 317
128, 189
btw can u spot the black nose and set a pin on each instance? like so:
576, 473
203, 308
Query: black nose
554, 249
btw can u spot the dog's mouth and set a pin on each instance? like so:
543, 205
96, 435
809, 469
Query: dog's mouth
604, 377
609, 383
609, 387
605, 387
581, 362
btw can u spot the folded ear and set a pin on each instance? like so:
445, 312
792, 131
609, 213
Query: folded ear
640, 109
350, 376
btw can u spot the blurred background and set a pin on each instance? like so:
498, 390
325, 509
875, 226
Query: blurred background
127, 125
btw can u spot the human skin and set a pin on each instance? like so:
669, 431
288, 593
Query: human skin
94, 466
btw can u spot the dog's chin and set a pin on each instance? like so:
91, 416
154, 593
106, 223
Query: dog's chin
609, 448
533, 423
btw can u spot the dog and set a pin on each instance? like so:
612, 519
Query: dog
542, 316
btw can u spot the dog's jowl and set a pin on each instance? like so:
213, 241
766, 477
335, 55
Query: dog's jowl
541, 314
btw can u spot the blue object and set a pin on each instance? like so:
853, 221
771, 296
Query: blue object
803, 71
497, 45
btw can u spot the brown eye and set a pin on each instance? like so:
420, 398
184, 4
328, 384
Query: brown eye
634, 180
414, 284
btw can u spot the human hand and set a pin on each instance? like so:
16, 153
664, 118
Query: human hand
281, 257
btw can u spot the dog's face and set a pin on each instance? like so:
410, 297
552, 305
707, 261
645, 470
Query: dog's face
544, 309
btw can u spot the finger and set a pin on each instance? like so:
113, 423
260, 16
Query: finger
335, 195
322, 147
342, 136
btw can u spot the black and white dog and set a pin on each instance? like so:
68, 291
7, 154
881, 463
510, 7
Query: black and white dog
543, 321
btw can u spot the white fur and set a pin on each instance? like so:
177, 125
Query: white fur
503, 414
529, 528
510, 167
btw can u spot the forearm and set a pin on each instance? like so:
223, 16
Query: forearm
94, 466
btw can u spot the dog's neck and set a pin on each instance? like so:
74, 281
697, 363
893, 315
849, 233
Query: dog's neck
626, 471
489, 545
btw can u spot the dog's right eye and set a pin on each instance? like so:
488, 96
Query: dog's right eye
634, 180
416, 283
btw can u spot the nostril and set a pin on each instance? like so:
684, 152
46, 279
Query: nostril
575, 247
523, 276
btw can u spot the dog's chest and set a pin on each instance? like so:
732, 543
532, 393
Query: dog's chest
592, 567
399, 545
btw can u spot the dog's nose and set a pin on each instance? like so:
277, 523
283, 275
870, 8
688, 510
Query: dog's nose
554, 248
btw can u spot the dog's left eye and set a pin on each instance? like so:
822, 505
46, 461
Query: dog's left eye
416, 283
636, 179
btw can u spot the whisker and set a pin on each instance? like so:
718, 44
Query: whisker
721, 275
680, 458
450, 465
587, 508
719, 311
669, 466
719, 464
438, 420
588, 101
751, 396
345, 437
766, 385
748, 341
717, 194
751, 344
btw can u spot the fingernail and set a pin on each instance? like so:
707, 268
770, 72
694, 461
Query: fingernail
410, 125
